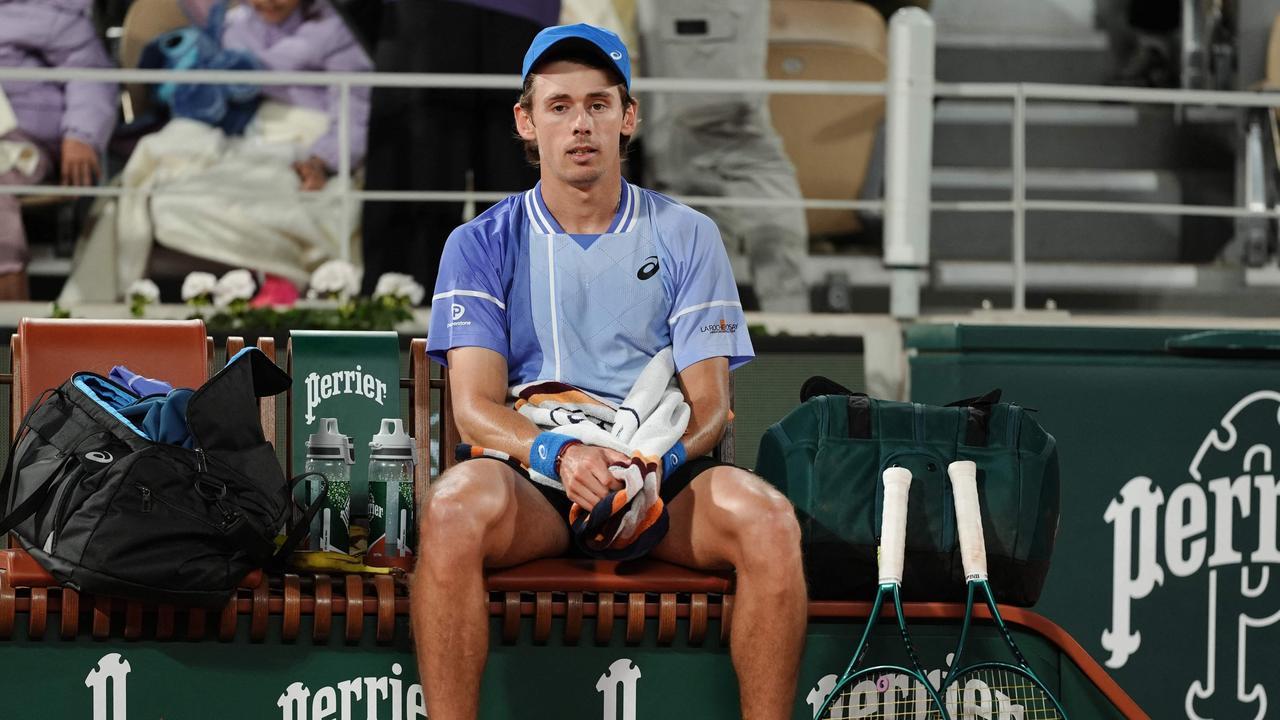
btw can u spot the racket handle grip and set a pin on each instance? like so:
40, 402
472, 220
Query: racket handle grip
893, 526
964, 489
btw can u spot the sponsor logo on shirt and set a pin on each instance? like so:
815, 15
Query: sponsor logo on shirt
720, 327
649, 268
456, 311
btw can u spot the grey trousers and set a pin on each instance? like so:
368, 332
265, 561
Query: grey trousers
723, 144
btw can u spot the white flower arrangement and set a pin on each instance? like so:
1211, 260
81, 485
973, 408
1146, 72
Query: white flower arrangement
141, 294
236, 287
145, 290
399, 286
198, 287
334, 279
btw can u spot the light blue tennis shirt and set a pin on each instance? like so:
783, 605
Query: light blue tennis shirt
588, 310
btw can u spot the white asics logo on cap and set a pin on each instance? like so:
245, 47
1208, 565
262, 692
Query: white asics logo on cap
615, 55
99, 457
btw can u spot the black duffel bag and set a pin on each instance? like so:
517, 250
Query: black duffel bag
107, 507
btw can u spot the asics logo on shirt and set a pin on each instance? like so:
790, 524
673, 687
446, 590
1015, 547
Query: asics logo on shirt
648, 269
99, 457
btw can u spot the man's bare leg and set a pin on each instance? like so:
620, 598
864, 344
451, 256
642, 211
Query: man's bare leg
729, 517
480, 514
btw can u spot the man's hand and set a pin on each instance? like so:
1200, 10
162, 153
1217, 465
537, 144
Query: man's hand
79, 163
584, 470
312, 172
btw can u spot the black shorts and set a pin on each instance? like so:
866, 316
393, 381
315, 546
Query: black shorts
671, 486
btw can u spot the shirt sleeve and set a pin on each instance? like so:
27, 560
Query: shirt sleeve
90, 114
347, 58
706, 316
469, 305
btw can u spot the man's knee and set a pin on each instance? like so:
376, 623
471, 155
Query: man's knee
461, 505
763, 522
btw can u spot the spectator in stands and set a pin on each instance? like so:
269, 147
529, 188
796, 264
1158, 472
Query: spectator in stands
47, 126
721, 144
589, 292
291, 143
291, 35
437, 139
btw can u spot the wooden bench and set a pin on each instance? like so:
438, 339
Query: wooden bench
46, 352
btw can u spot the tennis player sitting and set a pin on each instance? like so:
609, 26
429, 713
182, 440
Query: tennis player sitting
568, 315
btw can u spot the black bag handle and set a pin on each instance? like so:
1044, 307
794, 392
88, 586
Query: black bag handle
33, 501
296, 532
977, 426
820, 385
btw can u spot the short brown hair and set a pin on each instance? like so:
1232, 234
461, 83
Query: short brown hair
589, 60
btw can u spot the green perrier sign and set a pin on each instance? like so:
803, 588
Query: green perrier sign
351, 376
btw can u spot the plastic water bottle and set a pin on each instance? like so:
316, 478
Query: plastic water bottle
329, 454
392, 527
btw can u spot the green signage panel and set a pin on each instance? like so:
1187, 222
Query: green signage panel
121, 680
1168, 529
351, 376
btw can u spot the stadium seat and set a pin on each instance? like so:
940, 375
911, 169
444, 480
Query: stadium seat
46, 353
828, 137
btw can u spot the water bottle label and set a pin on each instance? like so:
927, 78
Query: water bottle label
391, 522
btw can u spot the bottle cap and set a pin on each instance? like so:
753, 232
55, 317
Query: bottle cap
329, 444
392, 442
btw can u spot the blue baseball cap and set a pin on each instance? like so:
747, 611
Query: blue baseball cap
608, 43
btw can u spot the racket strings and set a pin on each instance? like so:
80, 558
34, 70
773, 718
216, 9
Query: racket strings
998, 694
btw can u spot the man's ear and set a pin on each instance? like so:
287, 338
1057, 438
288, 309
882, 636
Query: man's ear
524, 124
631, 118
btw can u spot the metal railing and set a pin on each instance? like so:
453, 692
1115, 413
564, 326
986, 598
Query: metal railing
910, 93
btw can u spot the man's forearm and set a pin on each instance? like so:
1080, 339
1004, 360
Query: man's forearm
704, 431
497, 427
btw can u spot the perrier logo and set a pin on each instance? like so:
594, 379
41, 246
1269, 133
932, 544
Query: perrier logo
342, 382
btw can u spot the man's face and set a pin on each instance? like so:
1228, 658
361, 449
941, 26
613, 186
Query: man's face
275, 11
576, 118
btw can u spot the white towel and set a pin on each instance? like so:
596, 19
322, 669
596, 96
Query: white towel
652, 417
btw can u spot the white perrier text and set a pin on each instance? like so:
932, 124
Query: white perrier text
342, 382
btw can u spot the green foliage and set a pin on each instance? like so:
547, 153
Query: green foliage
360, 313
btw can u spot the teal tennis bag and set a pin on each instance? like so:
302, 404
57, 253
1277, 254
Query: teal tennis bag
828, 454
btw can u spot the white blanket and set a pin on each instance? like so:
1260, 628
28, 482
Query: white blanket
266, 224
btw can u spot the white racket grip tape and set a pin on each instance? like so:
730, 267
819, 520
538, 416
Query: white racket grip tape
893, 526
973, 547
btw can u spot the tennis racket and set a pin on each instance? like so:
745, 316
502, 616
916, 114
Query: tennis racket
988, 689
886, 692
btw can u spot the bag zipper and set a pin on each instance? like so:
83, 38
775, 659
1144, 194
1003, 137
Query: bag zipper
148, 496
1015, 416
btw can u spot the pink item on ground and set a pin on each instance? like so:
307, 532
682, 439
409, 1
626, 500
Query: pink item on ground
275, 291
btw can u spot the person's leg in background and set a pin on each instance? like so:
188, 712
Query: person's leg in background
1148, 41
418, 138
720, 144
499, 163
22, 162
436, 139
